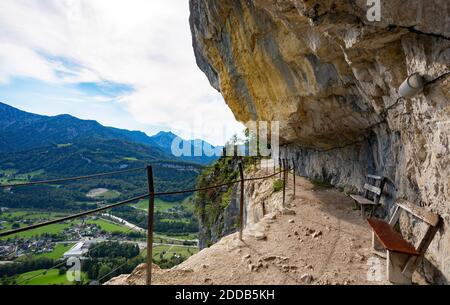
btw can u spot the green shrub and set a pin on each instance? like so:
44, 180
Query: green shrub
321, 183
226, 197
277, 185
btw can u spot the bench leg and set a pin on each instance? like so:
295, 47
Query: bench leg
376, 244
394, 264
365, 210
374, 210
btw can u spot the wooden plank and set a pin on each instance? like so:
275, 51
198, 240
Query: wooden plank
376, 244
381, 254
395, 216
373, 189
394, 263
412, 263
381, 186
374, 177
421, 213
391, 239
427, 239
362, 200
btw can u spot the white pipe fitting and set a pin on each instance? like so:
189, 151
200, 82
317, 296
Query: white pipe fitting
411, 86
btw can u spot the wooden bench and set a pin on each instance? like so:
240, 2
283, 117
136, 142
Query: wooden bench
402, 257
372, 194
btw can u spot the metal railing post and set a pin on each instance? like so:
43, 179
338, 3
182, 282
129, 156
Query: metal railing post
288, 170
281, 167
293, 165
241, 206
151, 209
284, 182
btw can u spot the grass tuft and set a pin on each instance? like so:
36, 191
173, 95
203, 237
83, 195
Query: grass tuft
277, 185
321, 183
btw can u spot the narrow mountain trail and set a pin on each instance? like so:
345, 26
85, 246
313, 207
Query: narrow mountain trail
317, 239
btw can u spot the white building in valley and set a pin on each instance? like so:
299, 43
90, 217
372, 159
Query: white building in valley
78, 250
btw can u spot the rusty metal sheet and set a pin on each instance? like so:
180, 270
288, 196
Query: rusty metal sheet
391, 239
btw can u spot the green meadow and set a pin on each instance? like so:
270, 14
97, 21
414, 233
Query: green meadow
109, 226
162, 206
170, 250
51, 229
37, 217
43, 277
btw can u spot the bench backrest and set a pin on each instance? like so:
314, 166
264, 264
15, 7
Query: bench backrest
429, 217
372, 191
426, 216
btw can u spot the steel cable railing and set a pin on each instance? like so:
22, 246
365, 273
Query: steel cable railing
86, 213
150, 195
120, 266
50, 181
62, 263
71, 178
70, 217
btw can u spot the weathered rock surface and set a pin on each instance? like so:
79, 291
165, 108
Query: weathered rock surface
280, 260
224, 221
331, 77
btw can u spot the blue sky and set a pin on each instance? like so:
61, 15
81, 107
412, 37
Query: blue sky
125, 63
84, 100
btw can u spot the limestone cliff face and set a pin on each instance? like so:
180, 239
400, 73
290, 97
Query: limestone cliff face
331, 77
217, 209
225, 222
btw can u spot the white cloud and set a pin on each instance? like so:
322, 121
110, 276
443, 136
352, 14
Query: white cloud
18, 61
141, 43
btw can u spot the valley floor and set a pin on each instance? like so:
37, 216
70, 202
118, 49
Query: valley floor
325, 242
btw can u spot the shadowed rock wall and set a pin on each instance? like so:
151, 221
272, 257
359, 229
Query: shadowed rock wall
331, 77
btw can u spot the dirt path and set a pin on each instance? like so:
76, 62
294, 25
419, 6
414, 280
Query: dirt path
319, 239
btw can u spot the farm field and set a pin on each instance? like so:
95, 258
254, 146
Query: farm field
51, 277
130, 159
64, 145
52, 229
11, 181
109, 195
170, 250
25, 218
103, 194
181, 236
57, 252
20, 215
162, 206
10, 176
109, 226
60, 227
13, 216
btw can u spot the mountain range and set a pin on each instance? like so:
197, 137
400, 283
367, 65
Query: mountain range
36, 147
22, 131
